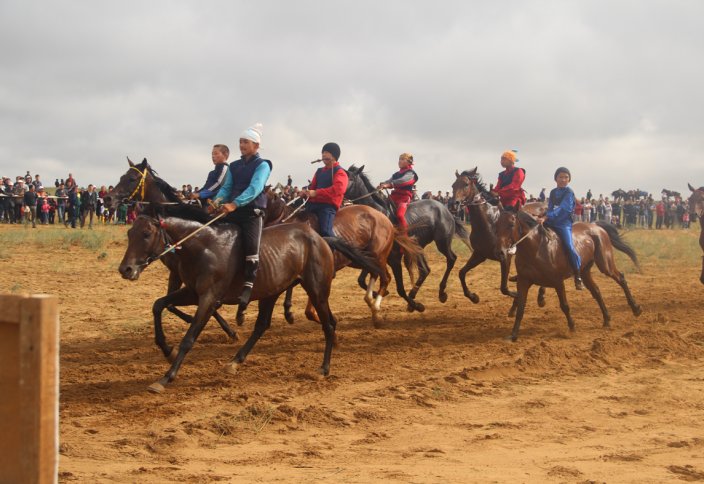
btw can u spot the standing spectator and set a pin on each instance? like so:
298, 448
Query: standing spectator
91, 202
27, 178
61, 197
30, 201
56, 183
541, 197
18, 197
74, 206
289, 181
45, 209
589, 194
659, 214
608, 210
578, 208
38, 186
70, 182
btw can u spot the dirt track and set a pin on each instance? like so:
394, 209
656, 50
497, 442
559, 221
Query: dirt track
431, 397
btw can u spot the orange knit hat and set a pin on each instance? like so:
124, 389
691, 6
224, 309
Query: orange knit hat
509, 155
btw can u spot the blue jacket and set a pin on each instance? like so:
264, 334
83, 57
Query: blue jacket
215, 180
560, 207
243, 191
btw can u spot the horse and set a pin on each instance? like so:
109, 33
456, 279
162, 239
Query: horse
367, 229
542, 260
696, 203
469, 189
141, 183
211, 265
429, 221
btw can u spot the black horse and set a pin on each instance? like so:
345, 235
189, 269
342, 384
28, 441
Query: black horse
429, 221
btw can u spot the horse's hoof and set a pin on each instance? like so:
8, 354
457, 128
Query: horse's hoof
420, 307
410, 308
474, 298
240, 319
172, 356
156, 387
511, 338
234, 337
607, 325
443, 297
637, 311
231, 368
324, 371
289, 318
541, 303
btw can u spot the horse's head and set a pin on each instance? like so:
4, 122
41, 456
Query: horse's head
507, 229
145, 240
465, 186
355, 184
696, 200
130, 184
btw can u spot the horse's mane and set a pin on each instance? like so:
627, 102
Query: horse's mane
479, 183
527, 219
368, 185
167, 190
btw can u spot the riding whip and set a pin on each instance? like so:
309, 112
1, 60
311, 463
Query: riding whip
512, 250
365, 196
295, 211
319, 160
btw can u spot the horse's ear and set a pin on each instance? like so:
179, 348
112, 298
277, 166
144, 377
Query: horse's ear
473, 171
691, 187
130, 161
360, 169
457, 174
144, 162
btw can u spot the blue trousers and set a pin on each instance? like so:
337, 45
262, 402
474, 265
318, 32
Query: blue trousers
326, 215
565, 233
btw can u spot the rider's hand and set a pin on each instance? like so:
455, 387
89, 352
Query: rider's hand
195, 196
228, 207
311, 193
541, 220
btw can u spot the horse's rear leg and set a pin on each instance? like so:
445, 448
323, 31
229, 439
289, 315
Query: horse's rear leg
523, 287
225, 327
266, 309
621, 279
288, 302
396, 268
451, 258
590, 284
474, 260
541, 302
328, 322
562, 295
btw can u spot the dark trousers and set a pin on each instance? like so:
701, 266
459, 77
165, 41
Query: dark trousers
250, 222
326, 216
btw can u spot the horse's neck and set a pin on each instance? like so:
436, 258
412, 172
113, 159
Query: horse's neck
479, 218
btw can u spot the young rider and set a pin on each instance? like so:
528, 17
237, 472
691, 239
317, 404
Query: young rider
327, 189
402, 183
509, 187
216, 177
559, 217
244, 200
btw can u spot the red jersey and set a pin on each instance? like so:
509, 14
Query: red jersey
509, 187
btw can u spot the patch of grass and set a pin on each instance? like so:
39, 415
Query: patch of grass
57, 236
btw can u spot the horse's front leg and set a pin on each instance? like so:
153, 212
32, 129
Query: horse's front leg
206, 307
474, 260
181, 297
505, 261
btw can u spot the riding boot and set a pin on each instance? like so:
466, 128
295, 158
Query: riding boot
578, 281
245, 295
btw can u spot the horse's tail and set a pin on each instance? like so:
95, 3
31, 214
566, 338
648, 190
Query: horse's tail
462, 233
359, 257
412, 251
618, 242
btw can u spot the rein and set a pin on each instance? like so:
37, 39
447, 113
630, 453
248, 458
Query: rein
378, 190
512, 250
172, 247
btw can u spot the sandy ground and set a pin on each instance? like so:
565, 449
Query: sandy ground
433, 397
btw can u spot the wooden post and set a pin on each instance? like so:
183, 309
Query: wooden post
29, 378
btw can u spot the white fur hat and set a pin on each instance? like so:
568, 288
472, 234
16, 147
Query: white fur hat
253, 133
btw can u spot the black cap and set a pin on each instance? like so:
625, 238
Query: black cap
333, 149
562, 169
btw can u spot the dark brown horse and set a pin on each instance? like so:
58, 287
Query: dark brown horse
541, 260
212, 274
369, 230
140, 183
470, 191
696, 205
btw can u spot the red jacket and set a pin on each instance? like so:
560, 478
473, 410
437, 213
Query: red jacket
511, 192
333, 185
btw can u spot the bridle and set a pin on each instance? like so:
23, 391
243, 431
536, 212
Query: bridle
478, 198
142, 185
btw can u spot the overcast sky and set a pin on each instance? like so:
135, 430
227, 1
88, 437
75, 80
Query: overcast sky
610, 89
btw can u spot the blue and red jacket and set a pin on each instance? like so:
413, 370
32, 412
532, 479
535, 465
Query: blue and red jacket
330, 185
510, 187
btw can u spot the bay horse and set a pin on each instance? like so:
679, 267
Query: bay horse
470, 191
428, 221
369, 230
211, 267
542, 260
696, 204
141, 183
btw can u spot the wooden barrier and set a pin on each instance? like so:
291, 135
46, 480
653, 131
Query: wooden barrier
29, 378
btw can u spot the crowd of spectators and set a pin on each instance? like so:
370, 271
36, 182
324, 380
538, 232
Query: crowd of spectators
26, 200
